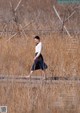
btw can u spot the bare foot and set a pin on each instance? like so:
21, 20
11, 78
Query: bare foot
44, 78
27, 76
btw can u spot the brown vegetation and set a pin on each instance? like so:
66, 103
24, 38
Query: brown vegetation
41, 12
60, 53
56, 97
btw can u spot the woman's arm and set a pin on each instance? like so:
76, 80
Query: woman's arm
39, 50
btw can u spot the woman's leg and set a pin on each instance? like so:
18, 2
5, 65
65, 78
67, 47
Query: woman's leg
32, 70
29, 76
44, 74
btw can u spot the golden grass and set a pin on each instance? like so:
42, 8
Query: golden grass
61, 54
59, 97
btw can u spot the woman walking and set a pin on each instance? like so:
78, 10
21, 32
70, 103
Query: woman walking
38, 59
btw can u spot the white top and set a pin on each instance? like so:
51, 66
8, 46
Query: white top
38, 48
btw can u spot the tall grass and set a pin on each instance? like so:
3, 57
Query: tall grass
60, 53
59, 97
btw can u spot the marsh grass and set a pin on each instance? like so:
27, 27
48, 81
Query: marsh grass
60, 53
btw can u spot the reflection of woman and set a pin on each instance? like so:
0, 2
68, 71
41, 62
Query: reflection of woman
38, 59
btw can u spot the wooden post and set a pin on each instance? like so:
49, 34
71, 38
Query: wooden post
61, 21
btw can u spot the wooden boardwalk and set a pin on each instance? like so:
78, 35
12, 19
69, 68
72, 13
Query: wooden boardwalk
38, 79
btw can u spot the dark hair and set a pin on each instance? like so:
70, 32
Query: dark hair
37, 37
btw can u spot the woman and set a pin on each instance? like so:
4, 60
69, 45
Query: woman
38, 59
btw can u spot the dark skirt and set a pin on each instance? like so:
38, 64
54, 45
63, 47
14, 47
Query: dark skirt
39, 63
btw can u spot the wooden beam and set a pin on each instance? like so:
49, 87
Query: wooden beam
18, 5
19, 31
61, 21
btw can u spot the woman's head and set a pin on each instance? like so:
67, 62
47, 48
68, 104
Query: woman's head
37, 39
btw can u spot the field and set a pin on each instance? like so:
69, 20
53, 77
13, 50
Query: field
61, 54
60, 93
41, 97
